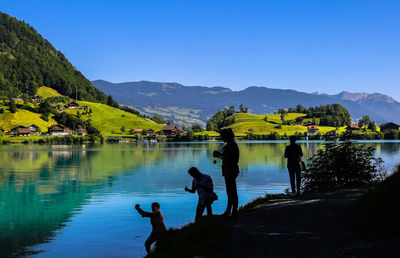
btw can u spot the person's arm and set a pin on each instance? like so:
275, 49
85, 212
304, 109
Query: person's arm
194, 187
286, 152
145, 213
189, 190
300, 151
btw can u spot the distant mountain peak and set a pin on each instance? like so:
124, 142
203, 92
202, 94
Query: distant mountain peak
361, 97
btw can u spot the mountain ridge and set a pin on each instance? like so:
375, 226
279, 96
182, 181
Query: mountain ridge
155, 97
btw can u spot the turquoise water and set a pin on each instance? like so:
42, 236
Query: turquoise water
77, 200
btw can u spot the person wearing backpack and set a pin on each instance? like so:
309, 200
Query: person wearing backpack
203, 184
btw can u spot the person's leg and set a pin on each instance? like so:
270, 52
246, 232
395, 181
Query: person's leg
151, 239
298, 180
235, 198
199, 211
291, 176
228, 193
209, 210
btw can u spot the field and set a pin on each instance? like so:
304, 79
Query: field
110, 120
244, 122
23, 117
47, 92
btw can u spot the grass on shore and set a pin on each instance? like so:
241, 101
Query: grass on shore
205, 237
376, 214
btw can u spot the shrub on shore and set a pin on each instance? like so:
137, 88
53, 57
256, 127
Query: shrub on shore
341, 165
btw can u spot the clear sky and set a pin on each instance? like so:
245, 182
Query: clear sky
325, 46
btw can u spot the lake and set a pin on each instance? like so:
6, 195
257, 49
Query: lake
78, 200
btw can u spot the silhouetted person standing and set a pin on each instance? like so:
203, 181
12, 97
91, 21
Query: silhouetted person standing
230, 169
294, 153
203, 184
157, 222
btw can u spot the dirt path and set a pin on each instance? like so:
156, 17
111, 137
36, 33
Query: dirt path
313, 225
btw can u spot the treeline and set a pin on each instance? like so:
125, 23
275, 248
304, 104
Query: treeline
220, 120
28, 61
328, 115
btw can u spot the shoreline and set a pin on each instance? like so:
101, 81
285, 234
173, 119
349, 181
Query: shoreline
311, 225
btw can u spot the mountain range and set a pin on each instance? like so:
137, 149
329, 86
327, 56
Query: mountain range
196, 104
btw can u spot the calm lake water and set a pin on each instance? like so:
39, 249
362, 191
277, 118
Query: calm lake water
77, 200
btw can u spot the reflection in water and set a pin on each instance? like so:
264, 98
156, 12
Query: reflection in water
65, 194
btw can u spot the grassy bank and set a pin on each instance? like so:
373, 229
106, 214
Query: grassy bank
204, 238
376, 214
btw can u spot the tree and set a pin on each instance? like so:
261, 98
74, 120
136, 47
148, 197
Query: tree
123, 129
372, 126
283, 117
111, 102
364, 121
13, 107
197, 128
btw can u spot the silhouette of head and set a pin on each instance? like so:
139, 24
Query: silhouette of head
293, 139
155, 206
194, 172
227, 134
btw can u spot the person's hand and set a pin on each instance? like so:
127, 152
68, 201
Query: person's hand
186, 188
216, 154
137, 206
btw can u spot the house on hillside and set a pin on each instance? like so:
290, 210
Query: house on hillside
389, 127
312, 129
23, 132
353, 127
73, 105
137, 130
14, 131
81, 131
59, 130
170, 130
34, 129
331, 133
18, 99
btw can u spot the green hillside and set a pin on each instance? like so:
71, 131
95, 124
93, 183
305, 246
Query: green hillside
47, 92
28, 61
110, 120
23, 117
244, 122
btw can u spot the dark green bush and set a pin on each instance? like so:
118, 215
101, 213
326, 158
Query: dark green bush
340, 165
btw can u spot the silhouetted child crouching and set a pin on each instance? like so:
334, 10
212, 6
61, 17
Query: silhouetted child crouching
157, 222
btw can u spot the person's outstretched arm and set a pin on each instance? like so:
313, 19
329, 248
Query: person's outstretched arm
145, 213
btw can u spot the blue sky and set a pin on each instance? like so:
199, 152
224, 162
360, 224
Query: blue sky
324, 46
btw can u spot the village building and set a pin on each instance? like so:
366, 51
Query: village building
18, 99
73, 105
59, 130
137, 130
34, 128
15, 130
353, 127
312, 129
23, 132
170, 130
389, 127
81, 131
331, 133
